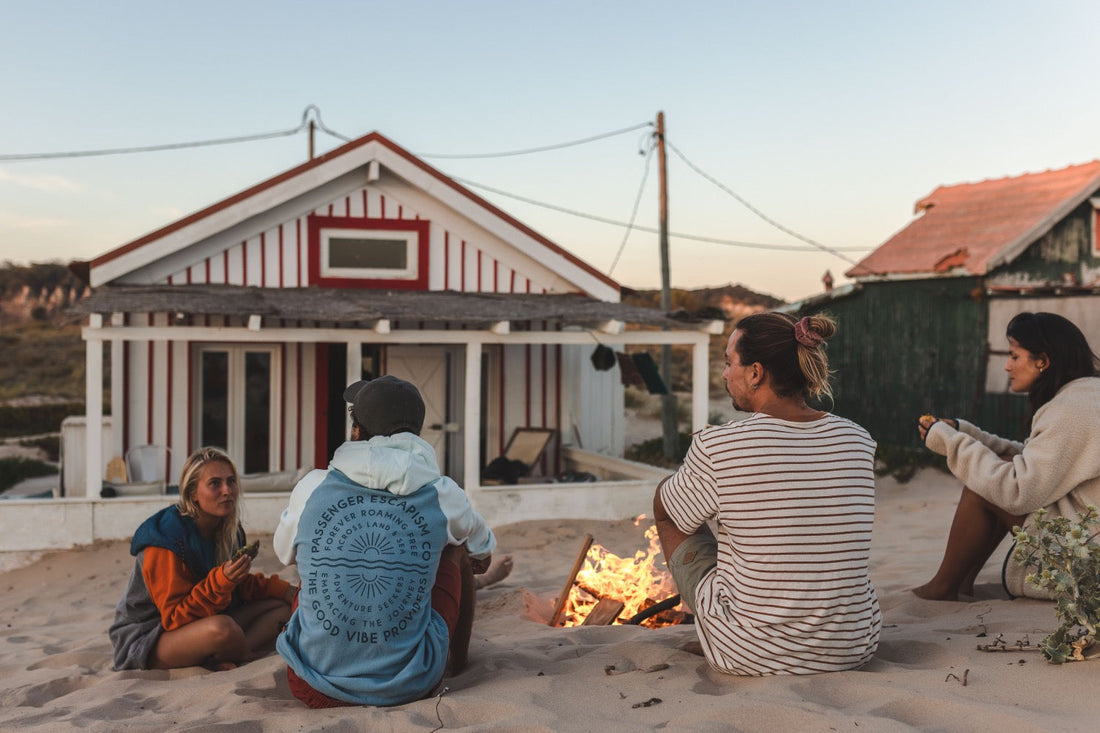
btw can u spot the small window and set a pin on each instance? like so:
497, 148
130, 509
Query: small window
368, 254
357, 252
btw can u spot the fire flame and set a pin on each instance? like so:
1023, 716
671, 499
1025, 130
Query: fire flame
638, 582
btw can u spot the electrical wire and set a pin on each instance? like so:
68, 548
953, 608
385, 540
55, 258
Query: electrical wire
9, 158
817, 245
651, 230
542, 149
630, 225
634, 212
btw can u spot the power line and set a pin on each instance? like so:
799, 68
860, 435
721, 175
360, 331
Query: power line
817, 245
543, 149
181, 145
13, 157
634, 212
147, 148
651, 230
316, 119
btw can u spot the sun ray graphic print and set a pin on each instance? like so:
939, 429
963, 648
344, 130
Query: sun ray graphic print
378, 551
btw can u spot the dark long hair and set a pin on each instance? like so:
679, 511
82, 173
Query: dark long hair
1064, 346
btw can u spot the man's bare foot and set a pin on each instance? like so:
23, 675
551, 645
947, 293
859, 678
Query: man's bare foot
928, 593
499, 569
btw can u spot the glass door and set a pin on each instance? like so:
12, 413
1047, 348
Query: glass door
236, 403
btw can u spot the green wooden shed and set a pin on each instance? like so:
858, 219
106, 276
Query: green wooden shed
922, 327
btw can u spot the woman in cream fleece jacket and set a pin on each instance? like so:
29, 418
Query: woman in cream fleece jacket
1057, 468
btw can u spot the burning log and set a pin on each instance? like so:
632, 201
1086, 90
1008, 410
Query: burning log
665, 605
559, 607
620, 587
604, 613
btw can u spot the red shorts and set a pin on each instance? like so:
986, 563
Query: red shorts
445, 601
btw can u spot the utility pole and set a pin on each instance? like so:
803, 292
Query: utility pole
670, 429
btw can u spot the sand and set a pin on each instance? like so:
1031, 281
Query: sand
55, 658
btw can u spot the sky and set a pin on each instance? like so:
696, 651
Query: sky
829, 119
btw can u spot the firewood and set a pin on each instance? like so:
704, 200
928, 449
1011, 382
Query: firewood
559, 607
655, 609
603, 613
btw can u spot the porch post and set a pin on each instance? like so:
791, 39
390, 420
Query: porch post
117, 388
354, 374
700, 383
471, 421
93, 408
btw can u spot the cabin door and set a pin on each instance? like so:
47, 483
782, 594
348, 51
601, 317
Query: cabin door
435, 370
237, 403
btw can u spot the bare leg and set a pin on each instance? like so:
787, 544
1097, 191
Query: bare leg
464, 627
976, 530
215, 641
262, 621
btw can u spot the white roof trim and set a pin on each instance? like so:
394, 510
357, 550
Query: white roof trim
1015, 248
363, 156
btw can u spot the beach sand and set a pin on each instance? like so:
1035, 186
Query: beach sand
55, 658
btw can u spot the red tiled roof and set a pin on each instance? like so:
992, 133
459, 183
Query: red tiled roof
981, 225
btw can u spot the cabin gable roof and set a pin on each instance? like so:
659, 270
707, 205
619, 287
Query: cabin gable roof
224, 221
972, 228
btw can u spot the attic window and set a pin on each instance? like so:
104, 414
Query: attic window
373, 253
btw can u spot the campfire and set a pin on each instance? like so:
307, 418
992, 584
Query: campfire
604, 589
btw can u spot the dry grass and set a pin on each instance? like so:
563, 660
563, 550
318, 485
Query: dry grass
42, 360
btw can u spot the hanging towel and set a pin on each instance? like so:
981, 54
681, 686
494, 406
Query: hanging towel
630, 375
647, 367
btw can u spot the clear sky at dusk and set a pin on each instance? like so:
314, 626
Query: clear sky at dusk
830, 118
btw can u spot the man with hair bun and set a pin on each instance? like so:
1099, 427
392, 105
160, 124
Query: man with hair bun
780, 586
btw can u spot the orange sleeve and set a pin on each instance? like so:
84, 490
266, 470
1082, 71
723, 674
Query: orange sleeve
258, 586
177, 596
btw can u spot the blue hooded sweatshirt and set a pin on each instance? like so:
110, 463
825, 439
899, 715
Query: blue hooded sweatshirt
368, 544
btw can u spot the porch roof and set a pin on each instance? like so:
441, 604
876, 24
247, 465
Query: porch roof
352, 307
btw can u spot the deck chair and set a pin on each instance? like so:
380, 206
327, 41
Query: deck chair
148, 464
523, 451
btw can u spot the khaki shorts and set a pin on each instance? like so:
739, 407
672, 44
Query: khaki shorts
692, 561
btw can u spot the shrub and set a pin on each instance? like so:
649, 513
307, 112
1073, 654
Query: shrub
49, 444
653, 452
1066, 559
18, 420
16, 468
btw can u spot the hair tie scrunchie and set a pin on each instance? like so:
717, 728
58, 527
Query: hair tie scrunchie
806, 337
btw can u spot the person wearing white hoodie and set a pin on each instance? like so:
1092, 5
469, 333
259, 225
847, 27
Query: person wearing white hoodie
386, 550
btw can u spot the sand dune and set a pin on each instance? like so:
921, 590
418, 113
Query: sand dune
55, 661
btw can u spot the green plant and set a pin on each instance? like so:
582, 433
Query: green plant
1066, 559
652, 452
49, 444
16, 468
21, 420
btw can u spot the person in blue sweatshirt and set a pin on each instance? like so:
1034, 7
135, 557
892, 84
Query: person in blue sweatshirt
387, 550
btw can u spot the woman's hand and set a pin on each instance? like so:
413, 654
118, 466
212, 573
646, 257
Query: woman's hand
237, 570
927, 421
